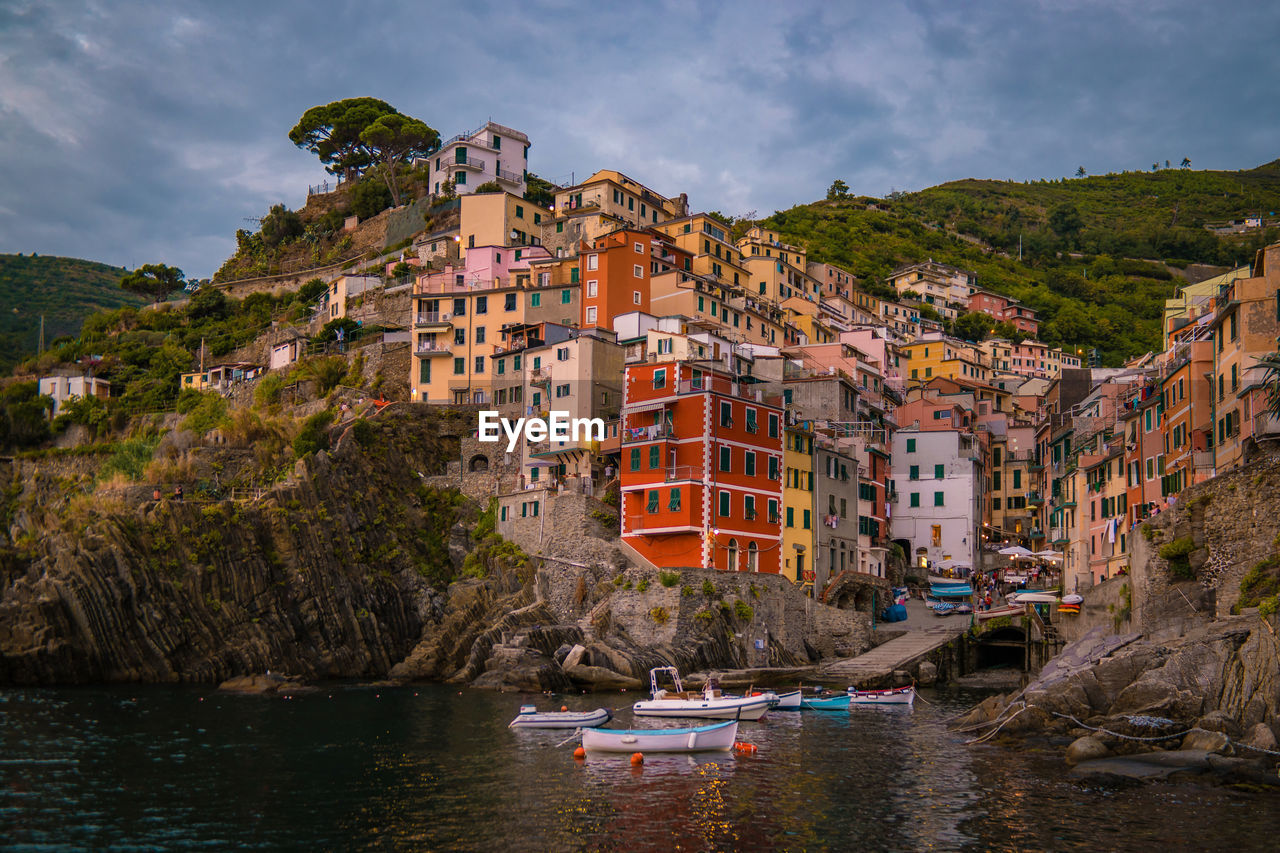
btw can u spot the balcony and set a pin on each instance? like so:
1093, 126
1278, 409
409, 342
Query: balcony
1058, 535
677, 473
475, 165
654, 432
1035, 499
540, 376
509, 177
665, 520
433, 318
430, 348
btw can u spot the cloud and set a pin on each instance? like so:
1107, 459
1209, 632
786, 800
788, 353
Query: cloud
143, 130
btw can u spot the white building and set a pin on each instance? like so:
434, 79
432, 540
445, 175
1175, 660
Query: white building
491, 153
65, 388
941, 487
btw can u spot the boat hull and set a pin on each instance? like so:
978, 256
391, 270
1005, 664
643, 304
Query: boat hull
725, 708
562, 719
831, 703
897, 696
714, 738
788, 701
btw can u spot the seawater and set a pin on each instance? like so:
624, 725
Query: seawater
432, 768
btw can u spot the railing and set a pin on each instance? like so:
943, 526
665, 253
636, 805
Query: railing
655, 432
683, 472
1034, 498
509, 177
540, 375
430, 347
425, 318
1265, 424
1057, 534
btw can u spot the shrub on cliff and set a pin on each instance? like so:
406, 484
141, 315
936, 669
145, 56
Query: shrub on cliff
1177, 554
314, 435
204, 410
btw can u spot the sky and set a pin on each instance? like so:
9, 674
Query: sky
137, 132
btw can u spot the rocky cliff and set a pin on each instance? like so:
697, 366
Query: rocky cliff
358, 564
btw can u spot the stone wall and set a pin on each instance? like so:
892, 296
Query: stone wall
1102, 604
1232, 522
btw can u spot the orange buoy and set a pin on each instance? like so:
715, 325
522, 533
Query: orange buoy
637, 758
579, 754
564, 707
745, 748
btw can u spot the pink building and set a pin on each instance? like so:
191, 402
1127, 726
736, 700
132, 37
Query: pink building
1003, 309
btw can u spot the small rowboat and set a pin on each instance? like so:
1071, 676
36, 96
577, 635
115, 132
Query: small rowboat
718, 737
788, 701
996, 613
892, 696
531, 718
839, 702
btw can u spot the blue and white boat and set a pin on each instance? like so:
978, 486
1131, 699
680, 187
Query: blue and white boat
836, 702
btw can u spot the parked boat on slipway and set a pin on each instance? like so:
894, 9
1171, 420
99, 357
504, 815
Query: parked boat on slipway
708, 703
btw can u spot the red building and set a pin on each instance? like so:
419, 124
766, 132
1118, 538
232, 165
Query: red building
1003, 309
616, 270
701, 469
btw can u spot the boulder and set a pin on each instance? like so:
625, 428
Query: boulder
574, 657
1261, 737
1220, 721
252, 684
599, 678
1086, 749
1206, 741
926, 673
562, 653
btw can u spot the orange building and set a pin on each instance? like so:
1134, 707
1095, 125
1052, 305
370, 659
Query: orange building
616, 271
701, 469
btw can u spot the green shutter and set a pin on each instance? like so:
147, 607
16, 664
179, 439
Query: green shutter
635, 459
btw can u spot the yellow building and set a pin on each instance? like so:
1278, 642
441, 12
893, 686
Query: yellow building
707, 240
1193, 301
603, 203
500, 219
799, 521
724, 307
778, 271
933, 357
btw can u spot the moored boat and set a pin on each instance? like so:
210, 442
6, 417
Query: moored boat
710, 703
837, 702
892, 696
718, 737
997, 612
789, 701
531, 718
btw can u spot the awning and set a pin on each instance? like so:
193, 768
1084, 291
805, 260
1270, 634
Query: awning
631, 409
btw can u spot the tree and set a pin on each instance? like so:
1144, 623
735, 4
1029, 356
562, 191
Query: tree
332, 132
154, 280
1080, 172
1065, 221
1186, 163
973, 326
488, 187
1006, 330
312, 290
838, 190
538, 191
392, 140
1271, 382
1155, 166
369, 198
281, 224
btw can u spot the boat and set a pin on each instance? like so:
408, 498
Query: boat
710, 703
837, 702
997, 612
892, 696
718, 737
789, 701
1035, 597
531, 718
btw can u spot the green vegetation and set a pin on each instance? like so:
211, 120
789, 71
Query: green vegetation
643, 585
1177, 554
130, 458
668, 579
660, 615
24, 415
1077, 240
1260, 584
314, 435
64, 291
743, 610
708, 588
538, 191
203, 410
686, 591
154, 280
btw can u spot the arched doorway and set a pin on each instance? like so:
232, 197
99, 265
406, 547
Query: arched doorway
733, 555
753, 558
479, 462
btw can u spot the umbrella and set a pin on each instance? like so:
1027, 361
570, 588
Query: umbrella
1015, 551
1048, 554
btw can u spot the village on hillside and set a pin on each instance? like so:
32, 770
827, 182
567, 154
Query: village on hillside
763, 412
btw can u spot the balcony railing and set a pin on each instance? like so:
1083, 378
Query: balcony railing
433, 318
509, 177
654, 432
683, 472
1057, 534
430, 348
1034, 498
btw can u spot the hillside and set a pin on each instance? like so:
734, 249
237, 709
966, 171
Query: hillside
1080, 277
64, 290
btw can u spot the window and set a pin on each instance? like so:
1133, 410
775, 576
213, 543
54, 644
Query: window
724, 504
660, 378
593, 288
915, 499
519, 211
653, 501
911, 445
482, 305
565, 297
937, 535
773, 426
808, 519
537, 218
479, 364
1017, 479
726, 414
995, 480
751, 421
775, 466
459, 366
459, 307
674, 503
635, 459
915, 473
562, 353
480, 334
635, 297
749, 463
995, 504
562, 390
460, 179
559, 227
937, 499
726, 455
774, 518
593, 262
591, 314
535, 300
939, 472
655, 456
509, 302
459, 337
791, 516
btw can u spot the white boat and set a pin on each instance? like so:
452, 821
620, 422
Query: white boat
997, 612
718, 737
1034, 597
892, 696
709, 704
531, 718
789, 701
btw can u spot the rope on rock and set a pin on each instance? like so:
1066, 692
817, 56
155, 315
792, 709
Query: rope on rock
1117, 734
997, 729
